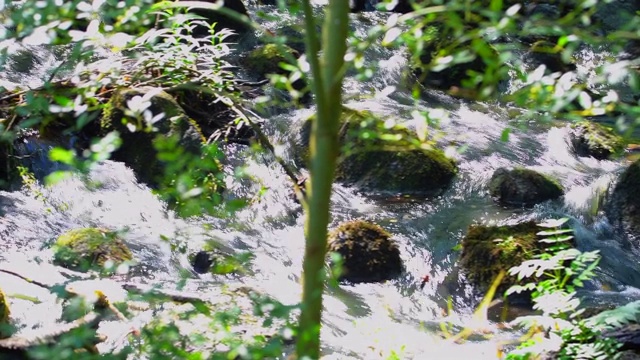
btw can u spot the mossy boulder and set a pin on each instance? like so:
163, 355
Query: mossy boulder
592, 139
140, 133
486, 250
4, 316
414, 171
387, 166
369, 254
623, 209
90, 248
522, 187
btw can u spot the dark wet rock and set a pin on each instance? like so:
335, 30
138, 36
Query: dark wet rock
595, 140
90, 248
543, 52
222, 21
369, 254
522, 187
628, 335
414, 171
215, 258
8, 166
139, 135
623, 209
214, 261
202, 262
486, 250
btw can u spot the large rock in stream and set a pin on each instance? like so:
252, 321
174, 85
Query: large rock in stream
623, 209
90, 248
487, 250
157, 114
522, 187
592, 139
395, 166
369, 254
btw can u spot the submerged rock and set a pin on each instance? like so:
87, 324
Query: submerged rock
486, 250
623, 210
522, 187
162, 116
368, 252
4, 316
90, 248
592, 139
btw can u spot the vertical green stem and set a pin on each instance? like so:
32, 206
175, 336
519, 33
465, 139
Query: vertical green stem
323, 148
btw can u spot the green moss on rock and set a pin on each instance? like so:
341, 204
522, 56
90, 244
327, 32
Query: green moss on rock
388, 166
4, 316
90, 248
415, 171
368, 252
592, 139
486, 250
522, 187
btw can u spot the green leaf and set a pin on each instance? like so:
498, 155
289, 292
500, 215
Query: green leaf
556, 239
553, 223
56, 177
62, 155
554, 232
504, 136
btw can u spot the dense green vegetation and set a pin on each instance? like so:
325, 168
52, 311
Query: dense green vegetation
171, 99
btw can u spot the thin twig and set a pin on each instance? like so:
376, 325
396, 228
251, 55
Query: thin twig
34, 282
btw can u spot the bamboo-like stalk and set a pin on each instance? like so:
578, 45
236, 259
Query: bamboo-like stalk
324, 146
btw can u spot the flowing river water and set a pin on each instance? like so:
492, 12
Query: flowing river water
364, 321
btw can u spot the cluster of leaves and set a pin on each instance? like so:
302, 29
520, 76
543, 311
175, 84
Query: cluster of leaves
77, 92
559, 272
